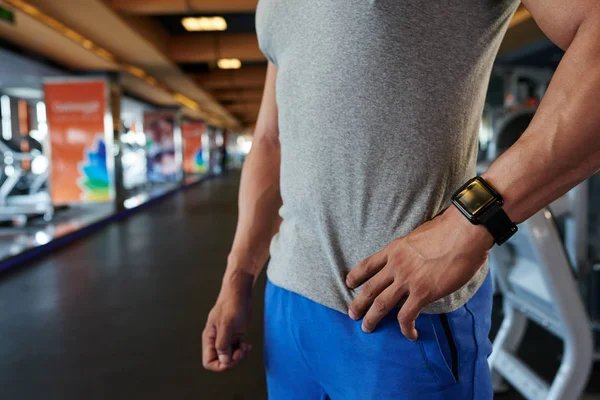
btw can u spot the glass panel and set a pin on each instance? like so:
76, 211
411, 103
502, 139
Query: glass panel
474, 197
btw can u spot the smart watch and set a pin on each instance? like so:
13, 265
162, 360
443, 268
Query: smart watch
481, 204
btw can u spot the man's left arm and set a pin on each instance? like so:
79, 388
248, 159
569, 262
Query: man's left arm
560, 149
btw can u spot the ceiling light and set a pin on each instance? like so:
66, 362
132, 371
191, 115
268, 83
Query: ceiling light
229, 63
195, 24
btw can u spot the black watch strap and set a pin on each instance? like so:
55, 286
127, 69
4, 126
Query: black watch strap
498, 223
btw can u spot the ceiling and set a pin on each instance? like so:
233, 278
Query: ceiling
88, 35
239, 91
196, 53
236, 23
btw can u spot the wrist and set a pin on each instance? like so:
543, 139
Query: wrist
471, 232
510, 205
237, 282
240, 273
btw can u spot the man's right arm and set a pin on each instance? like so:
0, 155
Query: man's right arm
258, 220
259, 197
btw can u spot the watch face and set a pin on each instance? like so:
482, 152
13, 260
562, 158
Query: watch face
474, 197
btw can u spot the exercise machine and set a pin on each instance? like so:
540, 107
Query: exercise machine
22, 192
535, 275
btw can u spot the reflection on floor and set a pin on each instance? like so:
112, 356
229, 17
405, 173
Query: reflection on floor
37, 230
119, 314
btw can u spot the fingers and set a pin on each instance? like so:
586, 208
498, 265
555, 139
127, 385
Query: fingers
366, 269
241, 353
210, 354
381, 306
368, 294
409, 313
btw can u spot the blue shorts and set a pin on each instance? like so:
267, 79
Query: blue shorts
313, 352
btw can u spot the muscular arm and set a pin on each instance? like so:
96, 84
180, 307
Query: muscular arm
561, 147
259, 198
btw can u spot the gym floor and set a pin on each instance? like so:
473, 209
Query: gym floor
119, 314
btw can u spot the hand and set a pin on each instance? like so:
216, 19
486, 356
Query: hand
222, 345
433, 261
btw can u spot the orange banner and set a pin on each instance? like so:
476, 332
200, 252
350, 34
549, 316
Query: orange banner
75, 112
193, 161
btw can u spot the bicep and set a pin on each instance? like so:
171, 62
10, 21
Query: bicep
560, 19
267, 125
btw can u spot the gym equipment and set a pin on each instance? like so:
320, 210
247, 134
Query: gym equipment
508, 130
523, 84
35, 201
533, 272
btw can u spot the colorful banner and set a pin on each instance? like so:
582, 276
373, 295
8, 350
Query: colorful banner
159, 128
75, 112
213, 150
193, 161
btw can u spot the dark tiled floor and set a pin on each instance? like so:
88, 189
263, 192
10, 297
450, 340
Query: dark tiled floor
118, 315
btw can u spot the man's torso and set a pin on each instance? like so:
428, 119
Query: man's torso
379, 111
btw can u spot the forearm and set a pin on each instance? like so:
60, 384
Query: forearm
259, 203
561, 147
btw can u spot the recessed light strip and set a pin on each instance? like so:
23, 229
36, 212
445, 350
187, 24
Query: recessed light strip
229, 63
204, 24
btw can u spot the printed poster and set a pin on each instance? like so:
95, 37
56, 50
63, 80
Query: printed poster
159, 128
75, 111
193, 160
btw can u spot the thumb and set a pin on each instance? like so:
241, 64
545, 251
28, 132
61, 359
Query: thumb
223, 342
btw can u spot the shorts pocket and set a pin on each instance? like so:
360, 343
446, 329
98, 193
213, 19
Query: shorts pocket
439, 347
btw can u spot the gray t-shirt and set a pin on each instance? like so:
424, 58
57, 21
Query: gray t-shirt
380, 103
